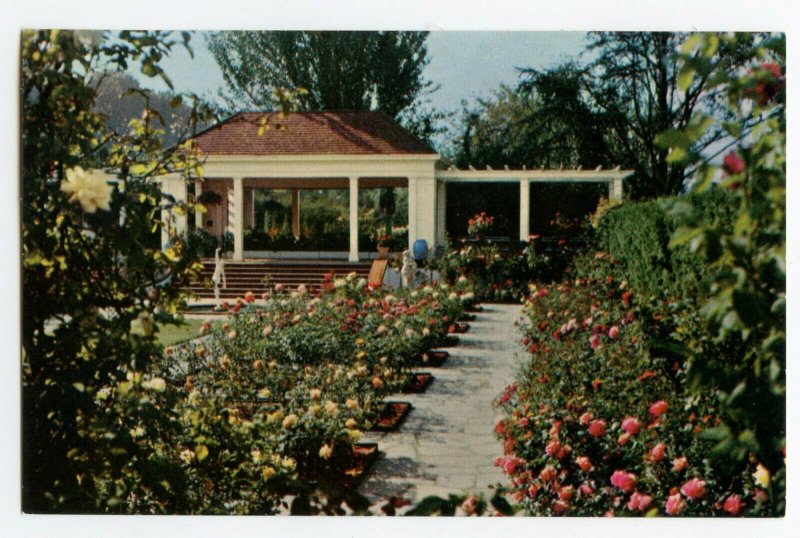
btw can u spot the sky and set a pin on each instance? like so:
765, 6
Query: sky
465, 65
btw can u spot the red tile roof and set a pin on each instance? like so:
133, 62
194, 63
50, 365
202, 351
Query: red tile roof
310, 133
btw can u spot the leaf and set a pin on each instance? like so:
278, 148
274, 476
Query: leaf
501, 505
717, 433
429, 506
685, 77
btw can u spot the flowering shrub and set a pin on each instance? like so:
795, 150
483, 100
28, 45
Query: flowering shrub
601, 421
480, 224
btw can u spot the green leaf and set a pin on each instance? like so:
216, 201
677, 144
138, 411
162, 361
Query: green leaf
717, 433
685, 77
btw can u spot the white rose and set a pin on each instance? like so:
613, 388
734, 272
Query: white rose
91, 190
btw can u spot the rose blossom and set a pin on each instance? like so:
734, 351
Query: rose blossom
657, 452
675, 504
631, 425
585, 418
594, 341
623, 480
733, 164
613, 332
586, 489
694, 488
584, 463
639, 502
679, 464
733, 505
547, 474
597, 428
659, 408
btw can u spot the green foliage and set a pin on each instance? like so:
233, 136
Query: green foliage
746, 293
339, 70
638, 235
93, 283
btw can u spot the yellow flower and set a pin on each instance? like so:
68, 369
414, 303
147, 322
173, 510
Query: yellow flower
761, 476
351, 404
354, 435
288, 463
267, 472
313, 409
314, 394
289, 421
325, 452
275, 417
91, 190
350, 423
264, 393
331, 408
256, 455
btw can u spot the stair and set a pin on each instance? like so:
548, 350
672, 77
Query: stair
262, 275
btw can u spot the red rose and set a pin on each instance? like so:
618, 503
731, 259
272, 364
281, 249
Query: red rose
733, 164
658, 408
733, 505
597, 428
694, 488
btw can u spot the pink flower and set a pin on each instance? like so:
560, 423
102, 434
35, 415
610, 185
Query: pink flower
585, 418
597, 428
631, 425
623, 439
659, 408
694, 488
613, 332
733, 164
657, 452
559, 507
584, 463
733, 505
594, 341
679, 464
675, 504
566, 493
509, 464
623, 480
639, 502
552, 448
586, 490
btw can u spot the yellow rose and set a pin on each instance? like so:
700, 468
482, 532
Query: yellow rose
90, 189
351, 404
325, 452
350, 423
354, 435
267, 472
331, 408
315, 394
289, 421
761, 476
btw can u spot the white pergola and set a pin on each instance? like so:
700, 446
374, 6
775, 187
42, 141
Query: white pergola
340, 150
427, 187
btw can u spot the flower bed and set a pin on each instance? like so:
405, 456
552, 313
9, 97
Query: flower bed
600, 421
308, 374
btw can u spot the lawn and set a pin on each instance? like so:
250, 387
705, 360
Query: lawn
175, 334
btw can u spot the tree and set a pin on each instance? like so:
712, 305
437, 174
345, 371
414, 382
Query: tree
339, 70
636, 84
95, 425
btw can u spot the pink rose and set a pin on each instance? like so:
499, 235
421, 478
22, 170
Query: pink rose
597, 428
631, 425
639, 502
594, 341
559, 507
659, 408
613, 332
623, 480
733, 505
675, 504
694, 488
585, 418
586, 490
657, 452
552, 448
566, 493
623, 439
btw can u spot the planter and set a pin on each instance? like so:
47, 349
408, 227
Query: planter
393, 414
417, 383
434, 358
348, 474
449, 341
383, 253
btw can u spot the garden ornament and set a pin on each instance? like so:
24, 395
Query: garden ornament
409, 271
219, 274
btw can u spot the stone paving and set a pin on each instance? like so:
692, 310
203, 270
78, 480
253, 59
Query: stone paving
447, 444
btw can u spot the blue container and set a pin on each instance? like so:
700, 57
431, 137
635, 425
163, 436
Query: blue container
420, 249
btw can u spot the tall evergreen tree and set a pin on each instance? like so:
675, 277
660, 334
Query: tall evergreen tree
340, 70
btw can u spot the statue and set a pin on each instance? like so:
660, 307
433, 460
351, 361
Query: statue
219, 274
409, 271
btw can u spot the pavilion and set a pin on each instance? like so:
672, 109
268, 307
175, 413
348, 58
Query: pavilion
341, 150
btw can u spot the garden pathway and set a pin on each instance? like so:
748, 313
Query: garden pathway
447, 444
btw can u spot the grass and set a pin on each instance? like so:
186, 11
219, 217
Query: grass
174, 334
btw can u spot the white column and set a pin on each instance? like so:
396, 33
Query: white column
615, 189
296, 212
177, 188
524, 208
425, 209
412, 211
198, 216
353, 257
238, 218
441, 212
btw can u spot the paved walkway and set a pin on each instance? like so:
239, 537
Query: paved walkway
447, 443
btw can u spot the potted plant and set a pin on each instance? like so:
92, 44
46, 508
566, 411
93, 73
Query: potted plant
384, 245
479, 225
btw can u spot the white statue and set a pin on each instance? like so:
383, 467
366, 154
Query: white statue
409, 271
219, 274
